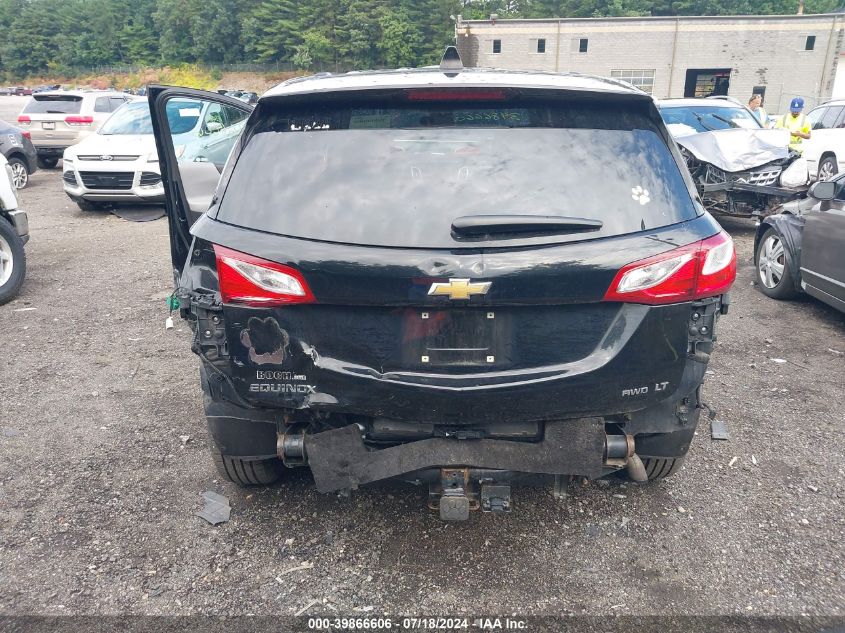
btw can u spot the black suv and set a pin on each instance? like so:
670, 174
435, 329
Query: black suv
449, 276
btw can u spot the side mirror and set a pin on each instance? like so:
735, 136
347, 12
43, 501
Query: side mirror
213, 126
824, 190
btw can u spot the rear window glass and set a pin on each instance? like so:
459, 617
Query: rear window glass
54, 104
399, 175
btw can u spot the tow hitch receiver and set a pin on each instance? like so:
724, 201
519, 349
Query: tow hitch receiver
453, 495
457, 492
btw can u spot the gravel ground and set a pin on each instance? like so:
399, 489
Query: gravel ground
104, 455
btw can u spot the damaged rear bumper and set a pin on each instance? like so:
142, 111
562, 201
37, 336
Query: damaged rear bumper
340, 460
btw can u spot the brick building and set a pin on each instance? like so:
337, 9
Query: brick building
779, 56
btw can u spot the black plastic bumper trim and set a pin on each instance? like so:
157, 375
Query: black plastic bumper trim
339, 459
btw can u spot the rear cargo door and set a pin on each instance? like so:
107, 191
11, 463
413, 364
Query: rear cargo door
53, 118
444, 255
195, 132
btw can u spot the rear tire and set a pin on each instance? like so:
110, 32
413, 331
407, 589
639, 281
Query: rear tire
47, 163
252, 472
12, 262
662, 467
774, 273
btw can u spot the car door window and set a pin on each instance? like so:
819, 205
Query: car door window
221, 125
101, 104
814, 116
828, 120
235, 116
116, 102
203, 134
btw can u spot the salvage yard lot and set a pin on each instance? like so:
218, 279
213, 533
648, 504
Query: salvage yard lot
104, 456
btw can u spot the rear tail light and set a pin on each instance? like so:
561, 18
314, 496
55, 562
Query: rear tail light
27, 134
79, 120
24, 119
252, 281
703, 269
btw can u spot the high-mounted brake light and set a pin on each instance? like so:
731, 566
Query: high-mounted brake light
24, 119
252, 281
79, 120
456, 95
703, 269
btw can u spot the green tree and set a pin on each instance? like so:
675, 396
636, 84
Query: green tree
272, 30
29, 45
93, 27
173, 21
400, 38
138, 37
358, 33
315, 48
215, 34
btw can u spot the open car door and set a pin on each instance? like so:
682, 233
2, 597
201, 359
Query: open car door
195, 132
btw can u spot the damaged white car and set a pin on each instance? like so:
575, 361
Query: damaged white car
739, 168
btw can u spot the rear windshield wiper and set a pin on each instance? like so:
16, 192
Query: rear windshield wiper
476, 225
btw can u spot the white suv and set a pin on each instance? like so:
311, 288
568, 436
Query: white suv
825, 149
60, 118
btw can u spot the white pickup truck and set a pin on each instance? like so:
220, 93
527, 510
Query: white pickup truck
14, 233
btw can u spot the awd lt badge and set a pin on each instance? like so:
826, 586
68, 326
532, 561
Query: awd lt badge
459, 288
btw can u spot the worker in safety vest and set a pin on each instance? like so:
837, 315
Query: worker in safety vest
796, 123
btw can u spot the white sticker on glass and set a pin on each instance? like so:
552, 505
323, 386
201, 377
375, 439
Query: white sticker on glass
640, 195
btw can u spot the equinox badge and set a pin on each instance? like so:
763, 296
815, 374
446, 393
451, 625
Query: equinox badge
459, 288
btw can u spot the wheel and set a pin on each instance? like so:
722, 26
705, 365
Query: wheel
20, 174
828, 168
47, 163
87, 206
662, 467
253, 472
12, 262
774, 276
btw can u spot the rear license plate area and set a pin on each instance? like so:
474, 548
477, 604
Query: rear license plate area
48, 125
455, 338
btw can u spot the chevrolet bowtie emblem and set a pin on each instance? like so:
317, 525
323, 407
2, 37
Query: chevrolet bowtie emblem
459, 288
